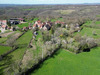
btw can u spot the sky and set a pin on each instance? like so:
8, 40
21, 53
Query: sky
47, 1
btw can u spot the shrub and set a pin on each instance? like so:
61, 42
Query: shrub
61, 32
94, 33
70, 47
70, 40
58, 25
64, 44
83, 45
77, 37
91, 42
98, 42
46, 36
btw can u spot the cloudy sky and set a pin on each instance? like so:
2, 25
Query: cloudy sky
47, 1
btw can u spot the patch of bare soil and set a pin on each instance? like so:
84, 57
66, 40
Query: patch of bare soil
6, 34
28, 56
16, 35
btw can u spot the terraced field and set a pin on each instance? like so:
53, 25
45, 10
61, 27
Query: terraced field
4, 49
16, 55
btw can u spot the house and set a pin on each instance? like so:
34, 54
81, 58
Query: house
59, 22
15, 21
3, 22
42, 25
3, 25
29, 27
25, 28
21, 20
12, 29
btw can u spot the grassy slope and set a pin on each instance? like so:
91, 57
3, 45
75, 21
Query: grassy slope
27, 24
4, 49
17, 55
66, 63
89, 32
23, 25
2, 40
23, 43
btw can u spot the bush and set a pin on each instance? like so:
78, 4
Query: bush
46, 36
83, 45
98, 42
61, 32
77, 37
58, 25
91, 42
70, 47
64, 44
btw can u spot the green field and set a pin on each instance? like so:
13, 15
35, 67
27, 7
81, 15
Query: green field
2, 40
16, 55
23, 25
66, 63
4, 49
89, 28
23, 44
89, 32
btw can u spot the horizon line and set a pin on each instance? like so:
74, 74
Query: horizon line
50, 4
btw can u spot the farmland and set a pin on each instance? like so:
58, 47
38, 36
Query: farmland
50, 40
64, 62
4, 49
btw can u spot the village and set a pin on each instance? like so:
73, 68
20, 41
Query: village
11, 25
40, 37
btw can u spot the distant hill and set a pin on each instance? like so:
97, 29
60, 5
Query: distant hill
6, 5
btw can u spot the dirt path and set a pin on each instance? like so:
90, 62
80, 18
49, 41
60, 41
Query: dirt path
28, 56
16, 35
6, 34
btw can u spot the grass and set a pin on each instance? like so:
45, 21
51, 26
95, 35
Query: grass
59, 19
64, 11
30, 9
4, 49
92, 24
97, 22
23, 44
97, 15
93, 27
33, 21
38, 43
2, 40
22, 25
89, 32
16, 55
66, 63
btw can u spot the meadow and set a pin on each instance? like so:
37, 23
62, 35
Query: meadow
23, 25
66, 63
4, 49
16, 55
